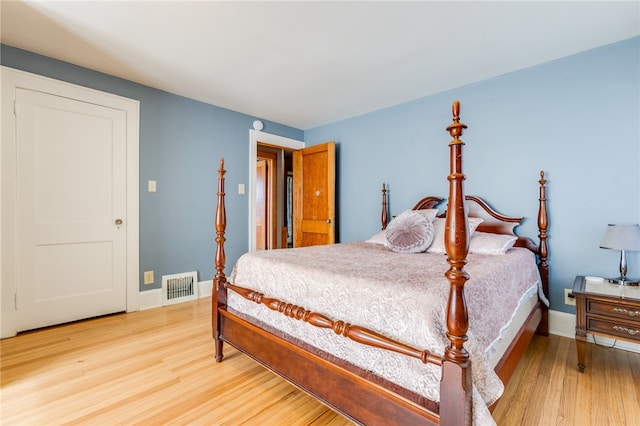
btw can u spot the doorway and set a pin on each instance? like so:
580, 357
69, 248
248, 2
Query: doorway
42, 198
267, 198
286, 145
274, 195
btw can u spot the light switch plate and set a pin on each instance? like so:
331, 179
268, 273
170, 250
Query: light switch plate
151, 186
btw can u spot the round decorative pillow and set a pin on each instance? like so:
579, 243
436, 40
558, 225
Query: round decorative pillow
409, 232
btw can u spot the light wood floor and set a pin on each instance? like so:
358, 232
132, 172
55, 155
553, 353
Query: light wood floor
156, 367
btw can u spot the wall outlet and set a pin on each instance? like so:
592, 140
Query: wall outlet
148, 277
569, 298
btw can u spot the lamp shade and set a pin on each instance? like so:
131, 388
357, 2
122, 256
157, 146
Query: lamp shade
621, 237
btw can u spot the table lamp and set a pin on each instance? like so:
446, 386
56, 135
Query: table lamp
624, 238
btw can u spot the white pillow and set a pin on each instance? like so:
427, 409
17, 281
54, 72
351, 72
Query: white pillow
429, 213
409, 232
438, 241
379, 238
487, 243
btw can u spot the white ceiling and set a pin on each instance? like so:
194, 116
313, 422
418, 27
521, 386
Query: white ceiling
306, 64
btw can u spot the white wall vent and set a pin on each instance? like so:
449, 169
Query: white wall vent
178, 288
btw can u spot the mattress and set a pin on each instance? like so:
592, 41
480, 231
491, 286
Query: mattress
510, 330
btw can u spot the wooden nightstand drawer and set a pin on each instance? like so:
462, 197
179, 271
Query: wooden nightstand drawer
613, 309
614, 328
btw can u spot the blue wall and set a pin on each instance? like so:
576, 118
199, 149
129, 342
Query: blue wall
577, 118
181, 142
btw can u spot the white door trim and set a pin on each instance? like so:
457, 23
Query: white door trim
11, 80
256, 136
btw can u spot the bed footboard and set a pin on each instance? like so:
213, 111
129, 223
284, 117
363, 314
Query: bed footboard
346, 389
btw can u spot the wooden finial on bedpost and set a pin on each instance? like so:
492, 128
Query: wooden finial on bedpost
456, 369
384, 218
456, 128
219, 289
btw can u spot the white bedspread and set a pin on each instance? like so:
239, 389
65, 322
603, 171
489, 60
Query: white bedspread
402, 296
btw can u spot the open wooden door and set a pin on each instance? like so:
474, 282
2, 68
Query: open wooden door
314, 195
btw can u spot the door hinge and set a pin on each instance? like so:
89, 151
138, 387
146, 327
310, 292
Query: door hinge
15, 300
15, 107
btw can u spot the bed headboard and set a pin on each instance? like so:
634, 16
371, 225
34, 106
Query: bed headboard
493, 222
496, 223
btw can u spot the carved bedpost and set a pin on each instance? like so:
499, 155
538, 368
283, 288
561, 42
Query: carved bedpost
543, 252
219, 281
456, 370
384, 219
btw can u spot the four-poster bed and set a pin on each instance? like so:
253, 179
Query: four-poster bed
370, 364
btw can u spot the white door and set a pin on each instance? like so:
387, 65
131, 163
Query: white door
70, 210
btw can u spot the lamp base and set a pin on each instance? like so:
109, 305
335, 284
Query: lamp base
623, 281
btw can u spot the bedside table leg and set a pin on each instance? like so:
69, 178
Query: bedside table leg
581, 321
581, 346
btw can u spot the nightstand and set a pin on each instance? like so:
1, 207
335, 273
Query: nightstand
605, 309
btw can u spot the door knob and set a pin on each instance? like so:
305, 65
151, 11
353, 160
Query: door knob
328, 220
118, 222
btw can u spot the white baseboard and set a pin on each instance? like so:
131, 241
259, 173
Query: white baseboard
150, 299
153, 298
564, 324
205, 288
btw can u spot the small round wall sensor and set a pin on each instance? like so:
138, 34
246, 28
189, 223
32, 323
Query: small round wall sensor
258, 125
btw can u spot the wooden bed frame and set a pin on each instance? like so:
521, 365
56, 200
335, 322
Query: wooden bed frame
353, 392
